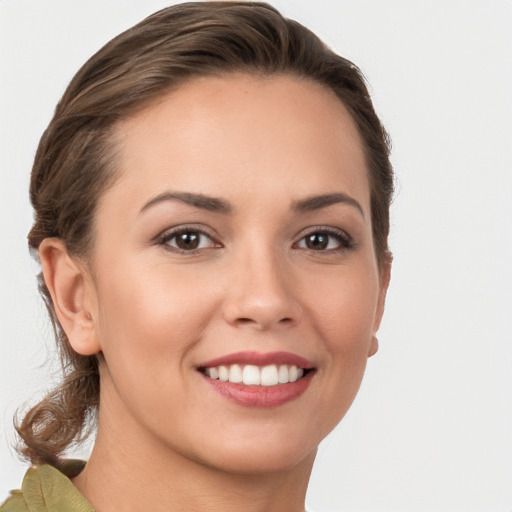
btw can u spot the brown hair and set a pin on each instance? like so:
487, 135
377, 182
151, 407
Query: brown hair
75, 163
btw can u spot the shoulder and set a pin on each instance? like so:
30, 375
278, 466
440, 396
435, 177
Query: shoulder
15, 503
46, 488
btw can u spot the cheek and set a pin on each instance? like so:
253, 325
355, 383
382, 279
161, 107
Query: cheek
150, 321
345, 316
341, 308
149, 327
345, 308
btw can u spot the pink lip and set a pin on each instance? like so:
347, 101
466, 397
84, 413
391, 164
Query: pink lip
261, 396
259, 359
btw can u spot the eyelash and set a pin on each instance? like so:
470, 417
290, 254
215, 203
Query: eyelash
344, 240
166, 238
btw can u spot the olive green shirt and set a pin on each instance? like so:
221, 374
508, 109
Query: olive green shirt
48, 489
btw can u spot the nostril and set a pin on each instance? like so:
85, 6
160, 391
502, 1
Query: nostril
244, 320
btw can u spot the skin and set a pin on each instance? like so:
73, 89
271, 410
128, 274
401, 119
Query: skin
166, 440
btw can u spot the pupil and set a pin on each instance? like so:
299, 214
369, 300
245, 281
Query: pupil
317, 241
188, 241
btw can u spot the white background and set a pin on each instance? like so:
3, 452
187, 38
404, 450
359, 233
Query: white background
431, 429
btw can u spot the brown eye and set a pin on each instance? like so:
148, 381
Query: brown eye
326, 240
187, 241
317, 241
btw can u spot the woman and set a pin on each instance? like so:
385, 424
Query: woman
211, 216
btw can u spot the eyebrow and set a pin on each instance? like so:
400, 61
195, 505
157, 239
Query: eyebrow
212, 204
317, 202
215, 204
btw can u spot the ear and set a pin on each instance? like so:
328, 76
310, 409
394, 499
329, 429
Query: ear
72, 293
384, 278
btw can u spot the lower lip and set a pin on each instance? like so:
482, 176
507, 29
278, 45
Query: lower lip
261, 396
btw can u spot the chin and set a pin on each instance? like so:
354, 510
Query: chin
263, 453
263, 462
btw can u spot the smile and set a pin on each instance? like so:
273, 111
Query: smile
253, 379
252, 375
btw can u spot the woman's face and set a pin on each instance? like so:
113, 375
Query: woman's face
235, 245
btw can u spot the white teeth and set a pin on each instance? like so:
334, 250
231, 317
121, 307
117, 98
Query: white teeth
252, 375
235, 374
293, 374
269, 375
283, 374
213, 372
223, 373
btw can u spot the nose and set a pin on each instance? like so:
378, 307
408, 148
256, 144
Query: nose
262, 293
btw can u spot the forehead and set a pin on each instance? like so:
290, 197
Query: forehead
258, 132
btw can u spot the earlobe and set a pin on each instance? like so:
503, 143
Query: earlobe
384, 278
71, 291
374, 346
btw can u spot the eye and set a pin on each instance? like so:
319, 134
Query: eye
330, 240
187, 240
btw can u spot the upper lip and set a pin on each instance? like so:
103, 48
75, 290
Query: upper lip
259, 359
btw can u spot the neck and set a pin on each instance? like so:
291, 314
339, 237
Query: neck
131, 471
